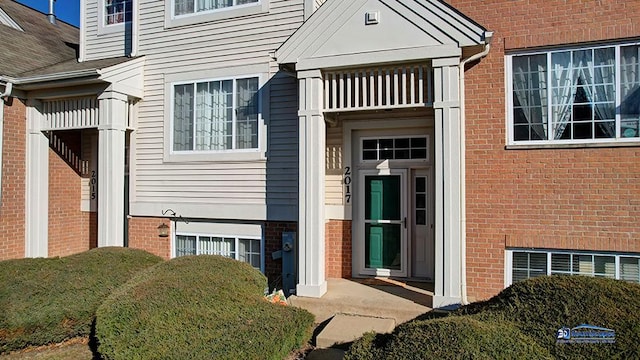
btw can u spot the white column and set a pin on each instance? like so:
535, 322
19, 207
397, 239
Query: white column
447, 290
311, 160
37, 186
111, 142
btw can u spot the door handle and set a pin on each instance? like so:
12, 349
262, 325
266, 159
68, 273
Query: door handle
404, 222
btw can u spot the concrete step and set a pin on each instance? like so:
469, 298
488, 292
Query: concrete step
345, 328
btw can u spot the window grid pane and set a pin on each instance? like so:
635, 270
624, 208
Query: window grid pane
116, 11
414, 148
526, 265
206, 115
592, 92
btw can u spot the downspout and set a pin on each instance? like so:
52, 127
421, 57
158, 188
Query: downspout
8, 87
488, 35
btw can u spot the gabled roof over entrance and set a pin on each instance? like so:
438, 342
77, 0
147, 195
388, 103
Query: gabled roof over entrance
338, 35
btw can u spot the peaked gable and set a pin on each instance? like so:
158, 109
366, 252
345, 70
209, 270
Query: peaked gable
339, 28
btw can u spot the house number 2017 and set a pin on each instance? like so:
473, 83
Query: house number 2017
347, 185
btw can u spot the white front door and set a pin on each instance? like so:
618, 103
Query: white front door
383, 222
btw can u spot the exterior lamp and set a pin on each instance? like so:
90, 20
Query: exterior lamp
163, 230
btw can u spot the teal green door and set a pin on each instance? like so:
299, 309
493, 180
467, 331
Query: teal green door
383, 222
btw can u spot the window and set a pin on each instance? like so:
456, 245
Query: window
216, 115
182, 7
401, 148
529, 264
581, 95
243, 249
116, 11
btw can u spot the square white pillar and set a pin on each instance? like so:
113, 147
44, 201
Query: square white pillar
311, 192
448, 200
111, 153
37, 185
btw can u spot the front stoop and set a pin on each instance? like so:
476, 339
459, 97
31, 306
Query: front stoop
345, 328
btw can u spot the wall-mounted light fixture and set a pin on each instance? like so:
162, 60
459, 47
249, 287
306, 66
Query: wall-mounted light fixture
163, 229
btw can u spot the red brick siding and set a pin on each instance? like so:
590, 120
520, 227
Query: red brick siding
68, 225
12, 210
559, 198
338, 250
143, 234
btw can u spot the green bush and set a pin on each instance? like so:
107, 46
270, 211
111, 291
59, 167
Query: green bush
198, 307
541, 306
45, 301
448, 338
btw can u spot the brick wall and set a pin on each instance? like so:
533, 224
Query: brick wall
143, 234
69, 227
587, 199
338, 249
12, 226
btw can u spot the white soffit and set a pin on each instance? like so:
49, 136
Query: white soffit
340, 28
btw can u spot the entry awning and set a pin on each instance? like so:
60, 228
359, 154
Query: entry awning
344, 34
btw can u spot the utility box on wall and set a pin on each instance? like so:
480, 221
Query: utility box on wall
288, 262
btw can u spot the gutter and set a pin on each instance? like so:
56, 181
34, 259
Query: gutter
488, 36
51, 77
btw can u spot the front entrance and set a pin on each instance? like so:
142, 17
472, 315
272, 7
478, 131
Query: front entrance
393, 227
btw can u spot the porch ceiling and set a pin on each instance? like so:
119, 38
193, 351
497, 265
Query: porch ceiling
338, 35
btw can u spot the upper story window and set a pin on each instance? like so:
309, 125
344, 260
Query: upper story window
182, 7
216, 115
116, 11
581, 95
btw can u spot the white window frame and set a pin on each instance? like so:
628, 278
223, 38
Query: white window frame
509, 260
237, 239
173, 20
103, 27
616, 141
232, 155
364, 138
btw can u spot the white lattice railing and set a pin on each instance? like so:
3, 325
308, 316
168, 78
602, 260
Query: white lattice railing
76, 113
378, 88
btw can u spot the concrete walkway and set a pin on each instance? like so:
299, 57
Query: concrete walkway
352, 307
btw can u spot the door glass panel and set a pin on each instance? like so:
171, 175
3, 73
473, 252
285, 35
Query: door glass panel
383, 227
383, 197
382, 246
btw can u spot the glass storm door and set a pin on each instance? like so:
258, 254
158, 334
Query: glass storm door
385, 224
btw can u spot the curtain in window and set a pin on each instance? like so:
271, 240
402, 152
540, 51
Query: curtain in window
598, 72
530, 94
183, 117
214, 115
247, 114
182, 7
561, 92
630, 91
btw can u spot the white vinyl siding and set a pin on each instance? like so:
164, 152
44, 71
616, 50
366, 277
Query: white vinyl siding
335, 169
526, 264
102, 40
261, 188
243, 249
574, 96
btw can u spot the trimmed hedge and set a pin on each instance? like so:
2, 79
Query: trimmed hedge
198, 307
448, 338
47, 301
520, 322
541, 306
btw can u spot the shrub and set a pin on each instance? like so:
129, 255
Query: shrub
198, 307
50, 300
541, 306
448, 338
